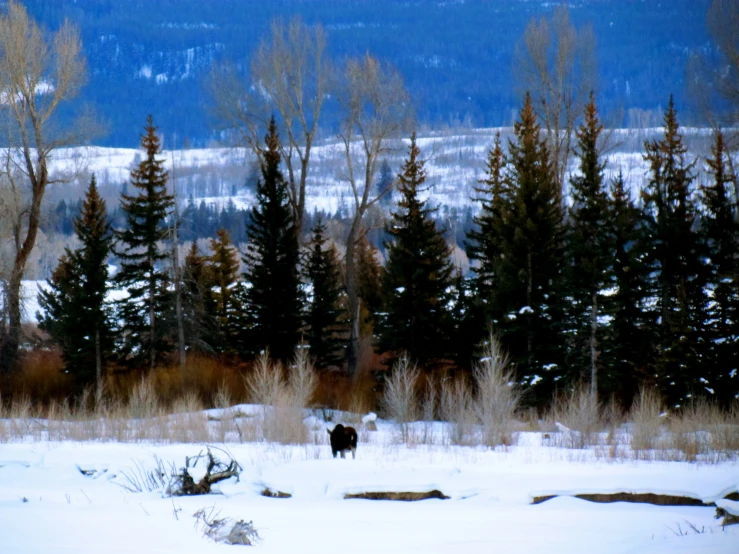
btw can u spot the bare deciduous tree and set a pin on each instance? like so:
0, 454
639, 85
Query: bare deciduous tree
290, 73
556, 63
377, 109
38, 72
714, 84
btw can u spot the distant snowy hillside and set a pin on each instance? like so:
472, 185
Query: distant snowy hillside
455, 163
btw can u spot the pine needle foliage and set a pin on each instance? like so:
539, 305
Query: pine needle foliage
76, 313
272, 296
326, 322
529, 268
720, 232
418, 275
147, 313
676, 256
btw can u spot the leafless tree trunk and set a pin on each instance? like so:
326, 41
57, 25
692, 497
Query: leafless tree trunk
176, 272
290, 74
376, 108
594, 347
37, 74
556, 63
714, 86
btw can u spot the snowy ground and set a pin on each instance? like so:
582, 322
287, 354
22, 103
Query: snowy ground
48, 505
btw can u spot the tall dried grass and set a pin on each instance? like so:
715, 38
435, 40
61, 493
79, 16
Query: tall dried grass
496, 399
579, 412
646, 420
399, 400
283, 399
458, 410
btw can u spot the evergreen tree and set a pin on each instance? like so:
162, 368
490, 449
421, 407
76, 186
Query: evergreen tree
589, 253
528, 270
223, 269
198, 305
418, 275
629, 355
369, 280
272, 298
676, 263
720, 230
146, 314
326, 319
484, 239
468, 320
76, 313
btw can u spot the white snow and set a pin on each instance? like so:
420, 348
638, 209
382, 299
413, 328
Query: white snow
48, 505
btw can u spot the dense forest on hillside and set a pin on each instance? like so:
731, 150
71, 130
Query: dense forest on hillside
455, 56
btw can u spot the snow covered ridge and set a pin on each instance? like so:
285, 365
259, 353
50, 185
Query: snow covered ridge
454, 162
69, 495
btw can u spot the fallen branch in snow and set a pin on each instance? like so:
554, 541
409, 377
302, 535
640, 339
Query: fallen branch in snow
269, 493
729, 510
183, 484
639, 498
401, 496
226, 530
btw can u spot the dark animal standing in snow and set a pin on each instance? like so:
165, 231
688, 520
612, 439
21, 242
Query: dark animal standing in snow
343, 439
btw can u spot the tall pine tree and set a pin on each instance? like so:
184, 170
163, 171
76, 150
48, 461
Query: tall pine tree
146, 314
272, 296
589, 249
484, 239
720, 230
326, 321
629, 356
223, 272
369, 281
528, 270
202, 332
676, 263
418, 275
76, 312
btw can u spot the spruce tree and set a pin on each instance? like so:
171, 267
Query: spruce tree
223, 272
202, 332
76, 312
146, 314
418, 275
676, 263
589, 253
272, 297
629, 355
326, 331
369, 281
720, 231
484, 239
528, 270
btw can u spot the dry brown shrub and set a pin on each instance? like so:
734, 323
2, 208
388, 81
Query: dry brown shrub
646, 423
40, 377
579, 411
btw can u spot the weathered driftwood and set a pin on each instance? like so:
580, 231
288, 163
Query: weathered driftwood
269, 493
729, 519
217, 471
401, 496
639, 498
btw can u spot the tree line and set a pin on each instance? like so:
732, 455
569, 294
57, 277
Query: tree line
607, 290
610, 290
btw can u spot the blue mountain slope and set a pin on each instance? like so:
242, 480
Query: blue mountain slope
151, 56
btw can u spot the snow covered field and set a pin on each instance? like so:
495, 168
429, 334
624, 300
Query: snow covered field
47, 504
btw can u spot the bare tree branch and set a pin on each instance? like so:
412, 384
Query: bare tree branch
37, 74
556, 63
377, 109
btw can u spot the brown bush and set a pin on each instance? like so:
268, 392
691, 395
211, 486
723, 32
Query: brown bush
40, 378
